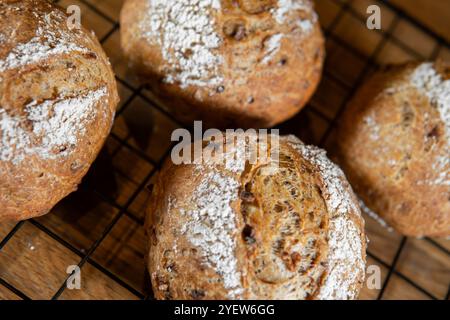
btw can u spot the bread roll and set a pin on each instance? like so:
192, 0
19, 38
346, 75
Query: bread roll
230, 63
57, 101
393, 144
287, 229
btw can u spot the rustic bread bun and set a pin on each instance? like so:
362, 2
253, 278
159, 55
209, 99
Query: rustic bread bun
231, 63
57, 100
272, 230
393, 143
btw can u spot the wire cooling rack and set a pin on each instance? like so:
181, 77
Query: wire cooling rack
100, 227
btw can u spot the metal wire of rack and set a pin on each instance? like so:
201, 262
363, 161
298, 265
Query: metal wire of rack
137, 92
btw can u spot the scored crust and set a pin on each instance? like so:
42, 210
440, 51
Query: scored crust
393, 143
230, 63
287, 229
57, 102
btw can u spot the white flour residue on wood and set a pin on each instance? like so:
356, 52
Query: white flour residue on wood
185, 30
287, 7
49, 129
428, 81
212, 227
345, 263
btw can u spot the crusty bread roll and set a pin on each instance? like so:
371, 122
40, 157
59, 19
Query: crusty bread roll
287, 229
393, 143
230, 63
57, 101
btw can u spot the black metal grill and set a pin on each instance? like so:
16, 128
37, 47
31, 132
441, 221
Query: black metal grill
370, 63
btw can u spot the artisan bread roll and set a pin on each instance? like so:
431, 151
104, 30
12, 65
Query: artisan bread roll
57, 101
287, 229
393, 143
230, 63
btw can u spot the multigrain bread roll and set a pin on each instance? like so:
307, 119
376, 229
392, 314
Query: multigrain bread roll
230, 63
393, 143
278, 229
57, 101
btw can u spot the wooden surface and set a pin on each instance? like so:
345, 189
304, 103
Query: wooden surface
434, 14
100, 226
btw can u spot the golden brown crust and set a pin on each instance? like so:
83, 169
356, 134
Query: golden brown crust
256, 231
268, 69
57, 100
393, 145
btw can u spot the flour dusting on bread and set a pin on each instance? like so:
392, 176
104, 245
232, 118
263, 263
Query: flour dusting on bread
286, 7
306, 244
272, 45
185, 30
47, 42
430, 83
48, 129
346, 265
338, 198
57, 100
213, 227
189, 37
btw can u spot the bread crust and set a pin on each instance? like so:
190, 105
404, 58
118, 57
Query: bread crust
268, 61
57, 102
241, 231
393, 144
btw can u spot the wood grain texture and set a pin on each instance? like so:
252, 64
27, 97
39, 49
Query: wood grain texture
97, 286
432, 13
139, 206
347, 72
123, 253
120, 65
328, 9
145, 128
110, 7
383, 242
79, 219
427, 265
142, 130
399, 289
34, 263
364, 41
6, 294
5, 228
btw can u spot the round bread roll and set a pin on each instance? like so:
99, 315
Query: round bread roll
393, 143
230, 63
276, 229
57, 102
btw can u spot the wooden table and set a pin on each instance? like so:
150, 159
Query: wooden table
100, 228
